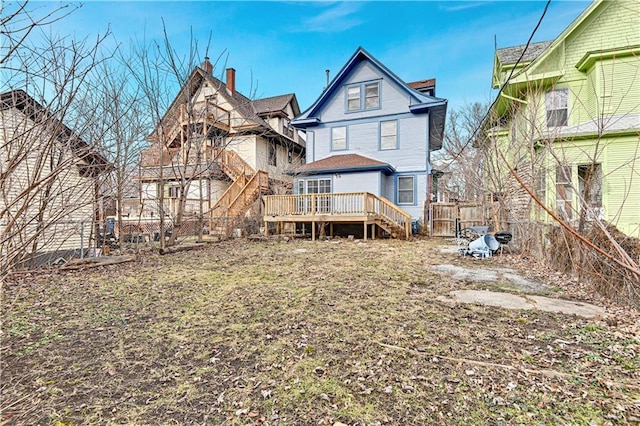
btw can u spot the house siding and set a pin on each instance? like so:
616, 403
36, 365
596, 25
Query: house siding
357, 182
603, 92
67, 217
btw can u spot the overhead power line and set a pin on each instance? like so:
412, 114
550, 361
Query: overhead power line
475, 132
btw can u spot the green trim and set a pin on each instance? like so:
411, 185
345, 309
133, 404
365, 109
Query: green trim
588, 135
590, 58
545, 78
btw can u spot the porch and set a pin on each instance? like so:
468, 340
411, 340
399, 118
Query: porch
323, 209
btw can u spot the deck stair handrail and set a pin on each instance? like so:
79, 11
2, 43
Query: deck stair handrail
356, 204
238, 198
232, 163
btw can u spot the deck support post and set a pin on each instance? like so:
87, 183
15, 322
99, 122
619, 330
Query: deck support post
313, 230
365, 230
331, 229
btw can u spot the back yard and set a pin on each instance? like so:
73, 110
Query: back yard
304, 333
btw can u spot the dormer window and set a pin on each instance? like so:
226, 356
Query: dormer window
363, 96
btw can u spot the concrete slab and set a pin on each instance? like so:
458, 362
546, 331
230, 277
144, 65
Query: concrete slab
567, 306
459, 273
512, 301
491, 274
491, 298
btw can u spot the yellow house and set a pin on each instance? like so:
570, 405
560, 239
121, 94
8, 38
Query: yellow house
567, 122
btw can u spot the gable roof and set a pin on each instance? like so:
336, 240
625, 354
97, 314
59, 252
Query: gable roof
421, 84
539, 52
343, 163
247, 108
276, 104
419, 103
20, 100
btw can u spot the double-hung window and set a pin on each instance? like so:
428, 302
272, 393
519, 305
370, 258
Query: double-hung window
363, 96
353, 98
406, 192
557, 106
389, 134
371, 95
338, 138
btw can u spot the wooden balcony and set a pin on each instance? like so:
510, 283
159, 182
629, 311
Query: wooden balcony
353, 207
205, 112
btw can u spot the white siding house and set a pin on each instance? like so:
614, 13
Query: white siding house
49, 191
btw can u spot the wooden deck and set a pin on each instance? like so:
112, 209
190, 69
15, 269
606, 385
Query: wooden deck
319, 210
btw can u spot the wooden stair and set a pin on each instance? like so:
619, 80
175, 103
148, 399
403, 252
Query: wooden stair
248, 185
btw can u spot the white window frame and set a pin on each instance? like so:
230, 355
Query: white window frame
389, 136
556, 101
338, 141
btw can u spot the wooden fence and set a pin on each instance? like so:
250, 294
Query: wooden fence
443, 217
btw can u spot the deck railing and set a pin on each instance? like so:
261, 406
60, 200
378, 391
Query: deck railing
338, 204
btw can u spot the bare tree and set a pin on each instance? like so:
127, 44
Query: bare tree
50, 161
551, 172
460, 161
190, 156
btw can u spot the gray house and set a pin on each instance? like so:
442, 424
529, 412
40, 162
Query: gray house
369, 139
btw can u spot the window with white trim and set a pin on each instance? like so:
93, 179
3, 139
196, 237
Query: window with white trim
557, 106
406, 193
338, 138
389, 134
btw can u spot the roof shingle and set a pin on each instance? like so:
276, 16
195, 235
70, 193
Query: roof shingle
510, 55
342, 162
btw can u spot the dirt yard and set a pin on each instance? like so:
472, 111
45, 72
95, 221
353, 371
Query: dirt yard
307, 333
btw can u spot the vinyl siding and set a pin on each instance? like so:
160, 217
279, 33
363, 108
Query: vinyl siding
357, 182
68, 210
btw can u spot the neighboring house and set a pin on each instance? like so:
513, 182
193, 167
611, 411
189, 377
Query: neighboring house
216, 151
49, 197
369, 137
568, 121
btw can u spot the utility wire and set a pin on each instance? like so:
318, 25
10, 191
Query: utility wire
475, 132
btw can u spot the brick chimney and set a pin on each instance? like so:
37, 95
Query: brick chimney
231, 80
207, 66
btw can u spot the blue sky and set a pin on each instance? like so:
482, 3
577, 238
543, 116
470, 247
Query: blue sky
284, 47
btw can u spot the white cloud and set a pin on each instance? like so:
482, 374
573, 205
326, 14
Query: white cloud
337, 18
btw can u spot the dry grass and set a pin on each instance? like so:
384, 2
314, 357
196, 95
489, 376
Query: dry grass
300, 333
